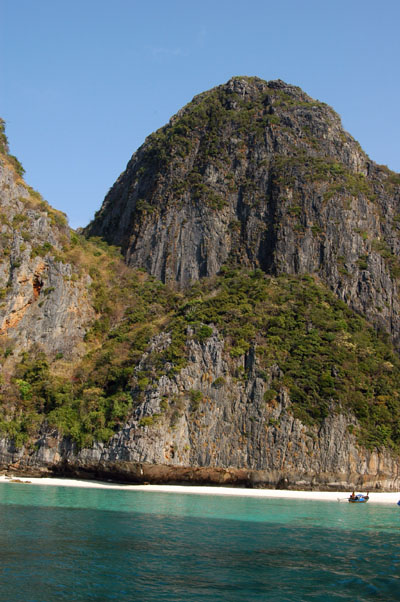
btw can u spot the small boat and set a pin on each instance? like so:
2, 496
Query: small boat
360, 498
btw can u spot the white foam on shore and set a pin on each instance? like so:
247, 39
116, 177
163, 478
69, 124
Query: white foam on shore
333, 496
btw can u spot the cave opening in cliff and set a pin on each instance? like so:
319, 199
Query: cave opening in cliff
37, 285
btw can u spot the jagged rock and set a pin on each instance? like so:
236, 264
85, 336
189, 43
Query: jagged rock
41, 301
230, 438
251, 173
260, 174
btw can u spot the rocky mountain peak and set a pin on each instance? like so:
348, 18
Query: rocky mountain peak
257, 373
260, 174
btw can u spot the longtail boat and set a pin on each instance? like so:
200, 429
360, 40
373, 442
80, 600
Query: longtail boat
360, 498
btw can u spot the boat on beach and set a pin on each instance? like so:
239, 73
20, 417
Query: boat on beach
360, 498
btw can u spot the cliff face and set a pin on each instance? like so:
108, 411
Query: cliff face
260, 174
42, 300
259, 375
229, 437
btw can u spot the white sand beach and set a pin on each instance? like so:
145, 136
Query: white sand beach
332, 496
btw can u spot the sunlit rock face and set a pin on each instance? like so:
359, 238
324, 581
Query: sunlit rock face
234, 438
252, 174
43, 301
260, 174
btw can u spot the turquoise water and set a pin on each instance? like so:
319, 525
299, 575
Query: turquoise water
60, 543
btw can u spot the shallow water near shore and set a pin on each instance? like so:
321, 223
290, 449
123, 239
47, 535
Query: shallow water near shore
61, 543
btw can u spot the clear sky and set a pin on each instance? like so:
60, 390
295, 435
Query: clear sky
83, 82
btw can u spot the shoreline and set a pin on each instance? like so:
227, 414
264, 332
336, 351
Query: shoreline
331, 496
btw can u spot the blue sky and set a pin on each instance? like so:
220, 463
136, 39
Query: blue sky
85, 81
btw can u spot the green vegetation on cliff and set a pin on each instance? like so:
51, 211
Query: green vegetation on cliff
4, 150
328, 358
255, 172
87, 399
219, 127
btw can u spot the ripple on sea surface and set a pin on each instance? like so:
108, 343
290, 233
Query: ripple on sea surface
116, 545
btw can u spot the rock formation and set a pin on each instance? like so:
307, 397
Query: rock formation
43, 300
233, 438
261, 174
247, 356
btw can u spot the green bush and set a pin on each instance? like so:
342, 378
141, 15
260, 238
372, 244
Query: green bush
196, 397
270, 394
204, 333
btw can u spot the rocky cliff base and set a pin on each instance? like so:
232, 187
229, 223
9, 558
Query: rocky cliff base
139, 473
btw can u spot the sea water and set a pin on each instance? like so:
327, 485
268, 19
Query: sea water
64, 543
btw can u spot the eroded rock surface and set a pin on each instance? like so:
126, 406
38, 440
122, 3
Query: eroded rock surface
260, 174
252, 173
231, 436
42, 300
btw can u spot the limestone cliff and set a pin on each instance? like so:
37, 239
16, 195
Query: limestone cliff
230, 437
43, 300
235, 343
261, 174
